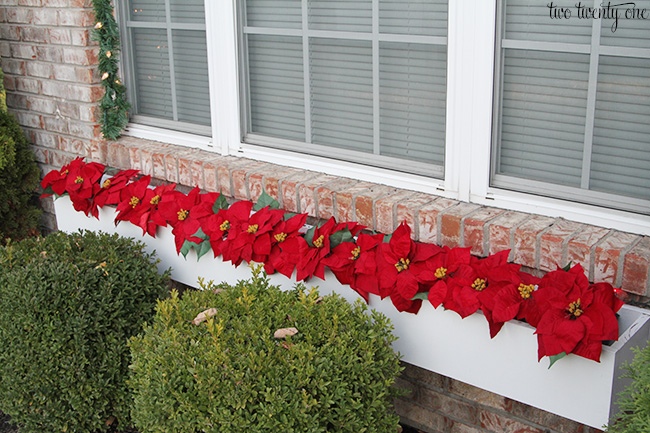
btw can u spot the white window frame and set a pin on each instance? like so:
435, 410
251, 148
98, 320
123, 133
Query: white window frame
470, 87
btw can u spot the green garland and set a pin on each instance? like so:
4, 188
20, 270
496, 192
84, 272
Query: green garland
114, 106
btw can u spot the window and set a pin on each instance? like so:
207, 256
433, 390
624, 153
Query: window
359, 80
572, 118
166, 64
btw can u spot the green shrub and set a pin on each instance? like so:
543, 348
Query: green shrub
19, 177
229, 373
634, 403
68, 305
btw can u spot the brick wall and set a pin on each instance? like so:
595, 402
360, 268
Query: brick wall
52, 83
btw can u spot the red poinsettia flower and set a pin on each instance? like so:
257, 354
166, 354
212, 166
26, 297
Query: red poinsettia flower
281, 260
56, 180
82, 184
354, 264
515, 298
578, 319
311, 256
250, 239
401, 267
133, 204
218, 226
184, 212
444, 265
112, 190
148, 208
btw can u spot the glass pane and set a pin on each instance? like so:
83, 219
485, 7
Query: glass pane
277, 91
413, 17
151, 63
147, 10
344, 16
621, 153
633, 33
274, 13
191, 75
543, 110
413, 93
342, 93
530, 20
187, 11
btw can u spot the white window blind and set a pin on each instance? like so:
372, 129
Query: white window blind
572, 118
361, 80
166, 58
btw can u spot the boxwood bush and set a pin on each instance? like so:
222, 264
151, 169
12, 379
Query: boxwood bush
635, 400
230, 373
68, 305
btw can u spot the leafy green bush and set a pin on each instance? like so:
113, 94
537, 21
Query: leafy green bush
634, 403
230, 374
68, 305
19, 177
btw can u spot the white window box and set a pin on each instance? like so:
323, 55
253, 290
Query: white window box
439, 340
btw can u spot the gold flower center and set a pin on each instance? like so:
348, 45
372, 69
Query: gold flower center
575, 308
402, 265
318, 243
355, 253
182, 214
79, 179
479, 284
224, 226
134, 201
525, 290
155, 199
106, 183
280, 237
441, 273
253, 228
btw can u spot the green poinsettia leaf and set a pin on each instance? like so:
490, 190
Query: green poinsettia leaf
337, 238
187, 246
567, 268
220, 203
423, 296
202, 249
387, 238
266, 200
200, 234
309, 236
288, 215
556, 358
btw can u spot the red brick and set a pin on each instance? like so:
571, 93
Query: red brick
118, 156
502, 231
326, 202
59, 159
226, 165
546, 419
307, 202
83, 129
171, 167
407, 210
636, 269
554, 242
134, 154
385, 211
526, 246
29, 85
268, 179
60, 36
256, 181
196, 170
55, 124
239, 178
45, 17
289, 190
81, 37
609, 257
478, 395
364, 204
421, 417
580, 246
158, 165
28, 119
425, 377
10, 33
272, 181
13, 66
49, 54
476, 230
452, 407
495, 422
210, 175
76, 18
71, 145
427, 220
68, 109
19, 15
146, 165
45, 139
451, 224
457, 427
185, 159
345, 199
40, 154
80, 56
35, 34
96, 150
15, 100
42, 105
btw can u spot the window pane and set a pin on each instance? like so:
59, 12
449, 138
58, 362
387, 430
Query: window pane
276, 86
151, 63
529, 20
342, 93
187, 11
342, 15
147, 10
413, 91
543, 116
414, 17
629, 33
621, 153
191, 76
274, 13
